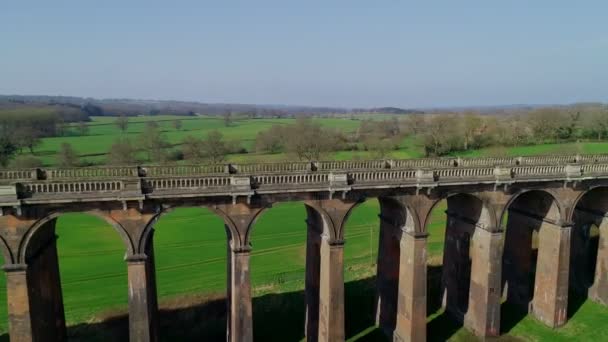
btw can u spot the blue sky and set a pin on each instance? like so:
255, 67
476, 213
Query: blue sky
336, 53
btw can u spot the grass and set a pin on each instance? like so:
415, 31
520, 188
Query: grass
190, 246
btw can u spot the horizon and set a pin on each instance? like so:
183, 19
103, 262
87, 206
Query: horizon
463, 107
342, 55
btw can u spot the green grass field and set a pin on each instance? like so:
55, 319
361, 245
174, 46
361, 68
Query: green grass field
190, 243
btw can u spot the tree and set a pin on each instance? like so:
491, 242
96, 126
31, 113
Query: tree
122, 122
152, 124
441, 135
83, 128
177, 124
154, 143
67, 157
193, 150
214, 147
471, 129
8, 148
228, 118
122, 152
26, 137
26, 162
271, 140
307, 140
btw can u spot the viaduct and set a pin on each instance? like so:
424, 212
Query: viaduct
496, 207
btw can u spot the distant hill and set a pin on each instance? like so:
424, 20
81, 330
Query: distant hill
395, 110
131, 107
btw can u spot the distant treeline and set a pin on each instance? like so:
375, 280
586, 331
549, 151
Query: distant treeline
128, 107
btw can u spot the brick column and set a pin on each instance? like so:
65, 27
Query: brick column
599, 290
411, 300
456, 271
550, 301
239, 220
387, 276
313, 267
35, 301
325, 270
331, 291
143, 307
240, 324
483, 315
20, 325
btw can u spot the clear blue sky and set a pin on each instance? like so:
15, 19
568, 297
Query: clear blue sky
330, 52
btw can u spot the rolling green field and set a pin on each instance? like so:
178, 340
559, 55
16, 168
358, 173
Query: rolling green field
190, 244
93, 146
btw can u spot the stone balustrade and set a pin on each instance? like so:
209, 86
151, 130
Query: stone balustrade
98, 182
11, 176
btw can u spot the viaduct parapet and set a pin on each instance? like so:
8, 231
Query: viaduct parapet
496, 208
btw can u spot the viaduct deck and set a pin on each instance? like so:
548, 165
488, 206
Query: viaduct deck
494, 207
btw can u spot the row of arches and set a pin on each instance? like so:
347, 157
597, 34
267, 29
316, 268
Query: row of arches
202, 252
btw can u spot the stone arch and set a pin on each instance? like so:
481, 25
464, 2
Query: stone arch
6, 251
239, 220
402, 215
466, 214
538, 199
334, 214
589, 253
535, 235
41, 223
397, 221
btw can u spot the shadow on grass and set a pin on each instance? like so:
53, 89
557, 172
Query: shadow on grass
276, 317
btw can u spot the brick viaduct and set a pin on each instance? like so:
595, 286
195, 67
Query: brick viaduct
494, 208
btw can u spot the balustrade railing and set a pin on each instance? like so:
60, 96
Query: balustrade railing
8, 176
86, 172
132, 182
190, 182
73, 187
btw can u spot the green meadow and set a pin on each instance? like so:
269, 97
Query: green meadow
190, 246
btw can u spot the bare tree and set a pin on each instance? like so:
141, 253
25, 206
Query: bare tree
122, 152
154, 143
122, 122
177, 124
83, 128
67, 156
228, 118
193, 149
26, 137
214, 147
26, 162
307, 140
271, 140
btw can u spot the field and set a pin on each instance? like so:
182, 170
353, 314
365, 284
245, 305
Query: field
190, 249
93, 146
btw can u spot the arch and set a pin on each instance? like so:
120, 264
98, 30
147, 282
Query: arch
239, 230
32, 231
588, 255
7, 254
407, 219
556, 210
533, 237
338, 220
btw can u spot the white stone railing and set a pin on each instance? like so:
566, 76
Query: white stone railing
97, 183
271, 167
383, 176
182, 170
8, 176
187, 183
293, 179
91, 172
469, 173
73, 187
18, 174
